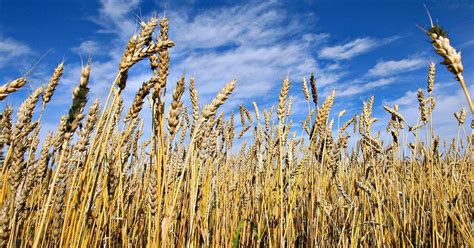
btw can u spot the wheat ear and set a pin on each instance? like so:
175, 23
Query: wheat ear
452, 58
53, 82
11, 87
282, 98
79, 100
175, 106
210, 109
137, 104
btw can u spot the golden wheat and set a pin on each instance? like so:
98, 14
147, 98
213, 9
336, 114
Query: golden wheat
194, 183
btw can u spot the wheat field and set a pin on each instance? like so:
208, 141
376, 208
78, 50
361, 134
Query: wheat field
95, 181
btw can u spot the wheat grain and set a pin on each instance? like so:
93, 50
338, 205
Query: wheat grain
53, 82
11, 87
210, 109
79, 100
314, 89
431, 77
175, 106
137, 104
282, 99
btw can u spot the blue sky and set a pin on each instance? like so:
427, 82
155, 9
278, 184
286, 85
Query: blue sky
358, 48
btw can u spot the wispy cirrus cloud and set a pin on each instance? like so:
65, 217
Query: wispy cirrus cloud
391, 67
118, 17
354, 48
381, 74
361, 87
87, 47
255, 43
11, 50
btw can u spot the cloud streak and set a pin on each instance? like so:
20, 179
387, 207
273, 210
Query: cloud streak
255, 43
115, 16
391, 67
87, 47
354, 48
11, 50
358, 88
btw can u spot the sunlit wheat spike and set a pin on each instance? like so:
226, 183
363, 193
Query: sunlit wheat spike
341, 113
366, 120
289, 107
25, 114
210, 109
305, 89
441, 43
79, 100
124, 64
230, 129
257, 111
175, 106
58, 207
138, 54
6, 127
53, 82
11, 87
314, 89
29, 179
422, 106
89, 125
61, 130
147, 29
23, 127
153, 62
151, 192
194, 101
164, 57
242, 115
42, 163
452, 58
347, 124
139, 47
137, 103
394, 112
460, 116
323, 113
282, 98
18, 163
4, 225
431, 77
164, 28
33, 140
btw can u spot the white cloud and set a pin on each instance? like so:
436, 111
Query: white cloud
467, 44
88, 47
116, 16
359, 88
410, 97
239, 25
391, 67
11, 50
316, 38
353, 48
329, 74
254, 43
